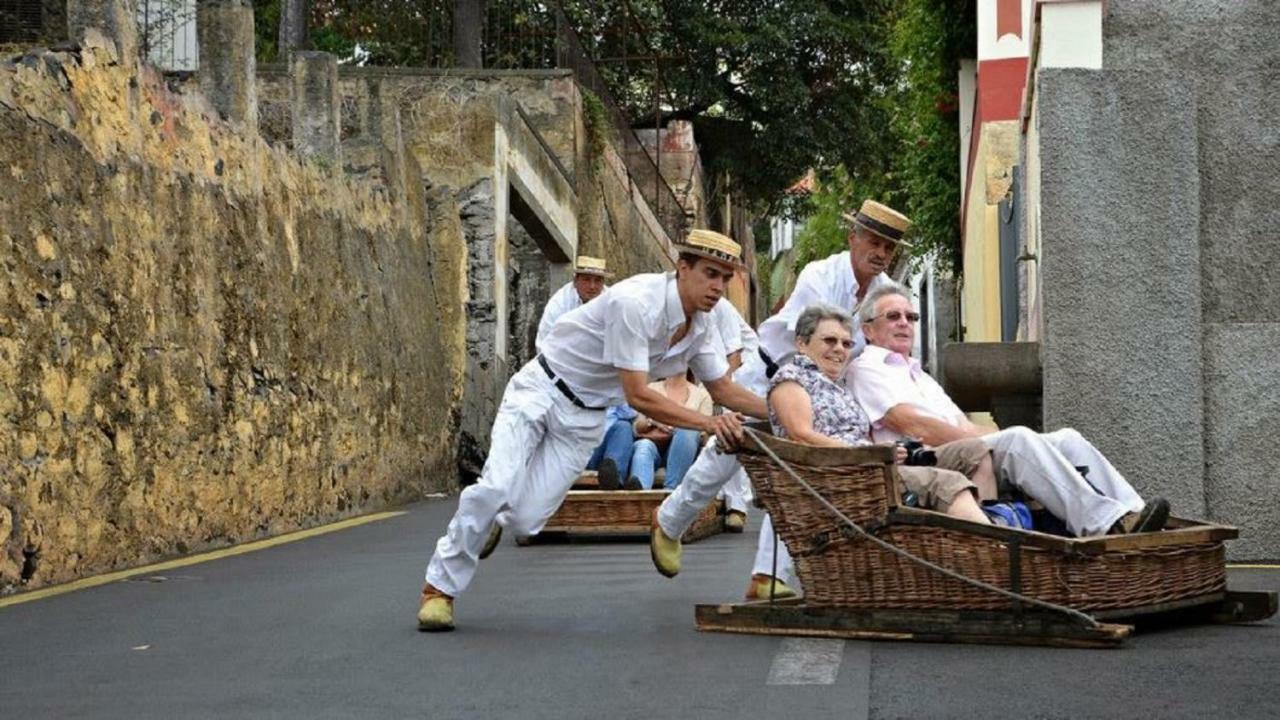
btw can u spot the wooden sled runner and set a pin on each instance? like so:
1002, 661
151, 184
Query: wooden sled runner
587, 510
1017, 586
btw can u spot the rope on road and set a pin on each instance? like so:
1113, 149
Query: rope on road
1072, 612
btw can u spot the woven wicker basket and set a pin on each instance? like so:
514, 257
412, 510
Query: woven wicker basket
841, 569
622, 512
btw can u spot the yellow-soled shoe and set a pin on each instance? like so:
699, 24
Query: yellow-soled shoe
491, 544
759, 589
735, 521
435, 614
664, 551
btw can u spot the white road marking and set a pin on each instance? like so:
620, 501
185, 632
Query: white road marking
807, 661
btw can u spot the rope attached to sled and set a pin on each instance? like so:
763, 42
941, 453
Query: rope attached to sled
1072, 612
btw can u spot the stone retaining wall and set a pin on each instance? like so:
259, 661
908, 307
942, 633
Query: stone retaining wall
202, 338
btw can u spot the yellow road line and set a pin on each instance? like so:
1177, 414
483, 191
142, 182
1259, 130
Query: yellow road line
97, 580
1233, 566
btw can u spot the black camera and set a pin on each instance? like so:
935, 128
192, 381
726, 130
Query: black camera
918, 454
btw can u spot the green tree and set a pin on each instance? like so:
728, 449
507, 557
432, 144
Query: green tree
918, 173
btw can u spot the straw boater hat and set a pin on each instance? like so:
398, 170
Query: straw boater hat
881, 220
713, 245
587, 265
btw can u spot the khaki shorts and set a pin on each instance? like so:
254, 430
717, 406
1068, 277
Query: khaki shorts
937, 486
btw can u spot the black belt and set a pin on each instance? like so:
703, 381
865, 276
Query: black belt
563, 387
770, 367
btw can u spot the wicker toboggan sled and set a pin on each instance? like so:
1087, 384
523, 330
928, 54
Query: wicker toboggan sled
589, 511
1017, 586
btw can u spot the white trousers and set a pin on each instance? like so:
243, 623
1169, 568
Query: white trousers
1043, 467
715, 472
712, 471
737, 492
764, 565
539, 444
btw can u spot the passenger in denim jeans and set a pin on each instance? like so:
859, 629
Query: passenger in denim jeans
658, 445
612, 458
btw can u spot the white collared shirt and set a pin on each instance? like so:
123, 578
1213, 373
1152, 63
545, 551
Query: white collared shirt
830, 281
629, 327
884, 379
735, 333
565, 299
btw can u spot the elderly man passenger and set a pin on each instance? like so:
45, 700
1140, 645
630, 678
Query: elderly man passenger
809, 403
901, 400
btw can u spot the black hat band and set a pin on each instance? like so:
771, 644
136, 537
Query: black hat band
876, 226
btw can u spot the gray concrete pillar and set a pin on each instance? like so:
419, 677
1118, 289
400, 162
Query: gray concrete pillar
117, 19
293, 26
228, 70
468, 21
316, 120
1120, 273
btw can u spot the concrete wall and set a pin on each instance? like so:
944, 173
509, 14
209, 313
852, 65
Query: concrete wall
505, 146
203, 339
1226, 55
615, 221
1158, 208
1121, 338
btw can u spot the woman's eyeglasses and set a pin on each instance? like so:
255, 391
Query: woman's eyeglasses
896, 315
832, 341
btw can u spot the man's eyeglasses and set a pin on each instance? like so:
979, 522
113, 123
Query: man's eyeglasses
896, 315
831, 341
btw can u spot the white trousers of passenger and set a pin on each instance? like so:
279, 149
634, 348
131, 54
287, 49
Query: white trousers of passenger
539, 444
1042, 465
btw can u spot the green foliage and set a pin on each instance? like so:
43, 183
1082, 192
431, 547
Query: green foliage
775, 88
918, 172
599, 131
928, 39
266, 27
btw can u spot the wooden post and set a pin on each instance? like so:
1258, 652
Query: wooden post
293, 26
468, 20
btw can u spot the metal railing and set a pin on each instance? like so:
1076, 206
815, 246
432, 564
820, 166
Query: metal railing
642, 168
167, 34
21, 20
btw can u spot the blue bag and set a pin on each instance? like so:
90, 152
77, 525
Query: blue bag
1010, 513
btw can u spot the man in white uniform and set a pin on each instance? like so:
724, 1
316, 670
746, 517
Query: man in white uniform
589, 274
552, 411
901, 400
842, 280
739, 340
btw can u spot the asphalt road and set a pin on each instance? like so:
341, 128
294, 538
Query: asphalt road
324, 627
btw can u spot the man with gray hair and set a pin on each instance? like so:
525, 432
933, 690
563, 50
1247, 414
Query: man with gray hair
901, 400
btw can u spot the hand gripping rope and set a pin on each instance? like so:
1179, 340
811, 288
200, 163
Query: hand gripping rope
755, 437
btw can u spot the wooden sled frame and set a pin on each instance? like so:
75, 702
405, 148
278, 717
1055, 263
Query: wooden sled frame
792, 617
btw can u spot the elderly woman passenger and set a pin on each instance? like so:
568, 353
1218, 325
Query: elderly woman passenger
809, 404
